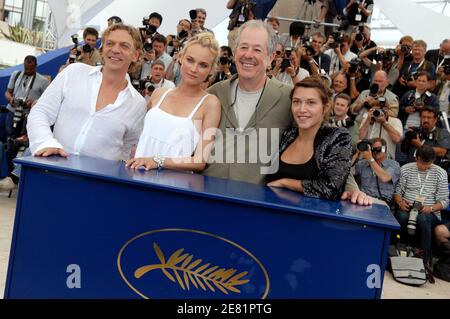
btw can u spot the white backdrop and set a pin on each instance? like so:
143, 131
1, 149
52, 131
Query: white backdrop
73, 15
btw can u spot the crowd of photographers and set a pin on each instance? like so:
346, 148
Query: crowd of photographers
394, 102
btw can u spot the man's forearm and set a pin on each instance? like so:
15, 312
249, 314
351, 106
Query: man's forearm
364, 129
380, 172
8, 96
231, 4
440, 151
395, 136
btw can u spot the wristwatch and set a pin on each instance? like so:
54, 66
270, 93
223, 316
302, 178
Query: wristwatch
159, 160
372, 160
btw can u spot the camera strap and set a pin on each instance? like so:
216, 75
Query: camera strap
29, 86
296, 42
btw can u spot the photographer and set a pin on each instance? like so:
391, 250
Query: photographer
355, 13
150, 26
146, 66
444, 91
198, 21
293, 39
427, 134
413, 101
341, 118
286, 68
361, 40
88, 53
377, 123
24, 88
159, 45
408, 73
378, 92
339, 51
226, 67
243, 10
312, 59
377, 175
438, 56
275, 24
385, 60
421, 194
155, 81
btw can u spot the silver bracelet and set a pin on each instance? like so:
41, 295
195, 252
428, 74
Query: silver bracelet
159, 160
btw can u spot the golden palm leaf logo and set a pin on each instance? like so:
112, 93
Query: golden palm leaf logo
204, 276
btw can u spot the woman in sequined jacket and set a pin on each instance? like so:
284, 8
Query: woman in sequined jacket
314, 158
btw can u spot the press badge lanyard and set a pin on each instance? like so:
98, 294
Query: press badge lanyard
420, 182
418, 67
296, 42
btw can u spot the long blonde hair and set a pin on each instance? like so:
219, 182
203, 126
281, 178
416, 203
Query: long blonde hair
206, 40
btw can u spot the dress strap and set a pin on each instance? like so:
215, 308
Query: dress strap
197, 106
162, 98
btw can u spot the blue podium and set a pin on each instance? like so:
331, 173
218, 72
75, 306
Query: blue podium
91, 228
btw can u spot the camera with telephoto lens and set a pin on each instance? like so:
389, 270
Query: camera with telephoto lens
183, 34
373, 93
347, 123
354, 65
337, 37
412, 133
308, 47
19, 105
364, 145
386, 56
148, 46
360, 35
286, 62
405, 49
73, 57
86, 48
224, 60
147, 27
446, 66
418, 103
193, 15
377, 113
149, 87
412, 220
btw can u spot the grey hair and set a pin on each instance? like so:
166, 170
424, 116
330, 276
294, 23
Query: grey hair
259, 24
201, 10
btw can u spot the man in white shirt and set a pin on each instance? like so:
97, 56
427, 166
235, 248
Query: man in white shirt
95, 110
377, 123
339, 53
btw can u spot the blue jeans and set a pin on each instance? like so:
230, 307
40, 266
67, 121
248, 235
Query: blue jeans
424, 229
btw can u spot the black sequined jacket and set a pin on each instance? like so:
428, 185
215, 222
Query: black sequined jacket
333, 153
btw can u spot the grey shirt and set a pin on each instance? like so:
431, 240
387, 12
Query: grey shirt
368, 179
22, 87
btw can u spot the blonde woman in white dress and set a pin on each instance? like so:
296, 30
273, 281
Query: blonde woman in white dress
180, 125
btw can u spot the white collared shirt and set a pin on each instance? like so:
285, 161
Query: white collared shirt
69, 103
